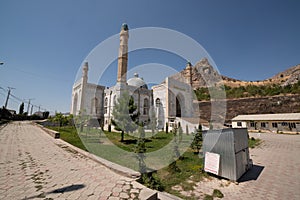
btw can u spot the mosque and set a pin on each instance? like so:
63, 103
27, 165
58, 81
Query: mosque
171, 100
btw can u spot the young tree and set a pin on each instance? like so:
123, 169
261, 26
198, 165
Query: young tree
140, 150
180, 133
59, 118
153, 120
81, 119
21, 109
197, 142
176, 154
124, 115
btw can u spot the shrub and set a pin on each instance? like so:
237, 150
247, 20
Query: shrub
152, 181
217, 193
208, 197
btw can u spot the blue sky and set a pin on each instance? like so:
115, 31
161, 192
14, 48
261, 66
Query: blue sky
43, 43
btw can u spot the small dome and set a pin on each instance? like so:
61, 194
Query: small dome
125, 27
136, 81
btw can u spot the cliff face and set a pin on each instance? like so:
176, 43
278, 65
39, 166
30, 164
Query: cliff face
203, 75
262, 105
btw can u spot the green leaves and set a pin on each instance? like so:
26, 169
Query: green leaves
248, 91
125, 117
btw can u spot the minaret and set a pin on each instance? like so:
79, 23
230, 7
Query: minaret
123, 55
85, 70
189, 73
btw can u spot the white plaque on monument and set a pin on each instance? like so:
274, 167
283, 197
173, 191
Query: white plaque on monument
212, 163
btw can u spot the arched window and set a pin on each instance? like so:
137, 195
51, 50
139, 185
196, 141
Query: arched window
157, 102
105, 105
146, 106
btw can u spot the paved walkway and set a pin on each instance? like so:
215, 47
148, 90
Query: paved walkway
275, 174
33, 166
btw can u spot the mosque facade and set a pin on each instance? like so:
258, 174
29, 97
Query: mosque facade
171, 100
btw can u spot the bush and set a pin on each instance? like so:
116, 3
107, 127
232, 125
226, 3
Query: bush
208, 197
152, 181
217, 193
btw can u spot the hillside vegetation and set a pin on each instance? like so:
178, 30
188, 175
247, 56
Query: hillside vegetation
248, 91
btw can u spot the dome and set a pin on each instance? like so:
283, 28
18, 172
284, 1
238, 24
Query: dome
136, 81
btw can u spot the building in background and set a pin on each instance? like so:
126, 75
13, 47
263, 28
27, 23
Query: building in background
283, 122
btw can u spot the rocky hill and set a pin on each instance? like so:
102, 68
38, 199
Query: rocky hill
203, 75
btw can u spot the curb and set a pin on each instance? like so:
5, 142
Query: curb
167, 196
110, 165
146, 193
52, 133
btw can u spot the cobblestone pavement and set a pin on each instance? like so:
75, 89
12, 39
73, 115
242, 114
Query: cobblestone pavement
34, 166
275, 174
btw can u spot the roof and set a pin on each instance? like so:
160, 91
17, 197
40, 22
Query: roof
136, 81
269, 117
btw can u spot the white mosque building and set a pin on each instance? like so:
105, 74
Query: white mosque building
171, 100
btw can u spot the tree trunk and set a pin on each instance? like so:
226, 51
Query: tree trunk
122, 136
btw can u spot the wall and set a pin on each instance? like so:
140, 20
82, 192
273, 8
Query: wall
261, 105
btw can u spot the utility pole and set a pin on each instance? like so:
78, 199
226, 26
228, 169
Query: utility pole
28, 105
8, 94
31, 109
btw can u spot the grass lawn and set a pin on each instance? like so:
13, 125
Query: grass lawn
252, 142
108, 146
190, 172
69, 134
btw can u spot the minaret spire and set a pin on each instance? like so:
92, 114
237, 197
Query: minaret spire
123, 55
189, 73
85, 70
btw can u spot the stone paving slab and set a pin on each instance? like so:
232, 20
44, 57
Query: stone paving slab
275, 174
33, 166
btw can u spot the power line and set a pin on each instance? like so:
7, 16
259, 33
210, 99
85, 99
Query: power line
2, 93
16, 99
